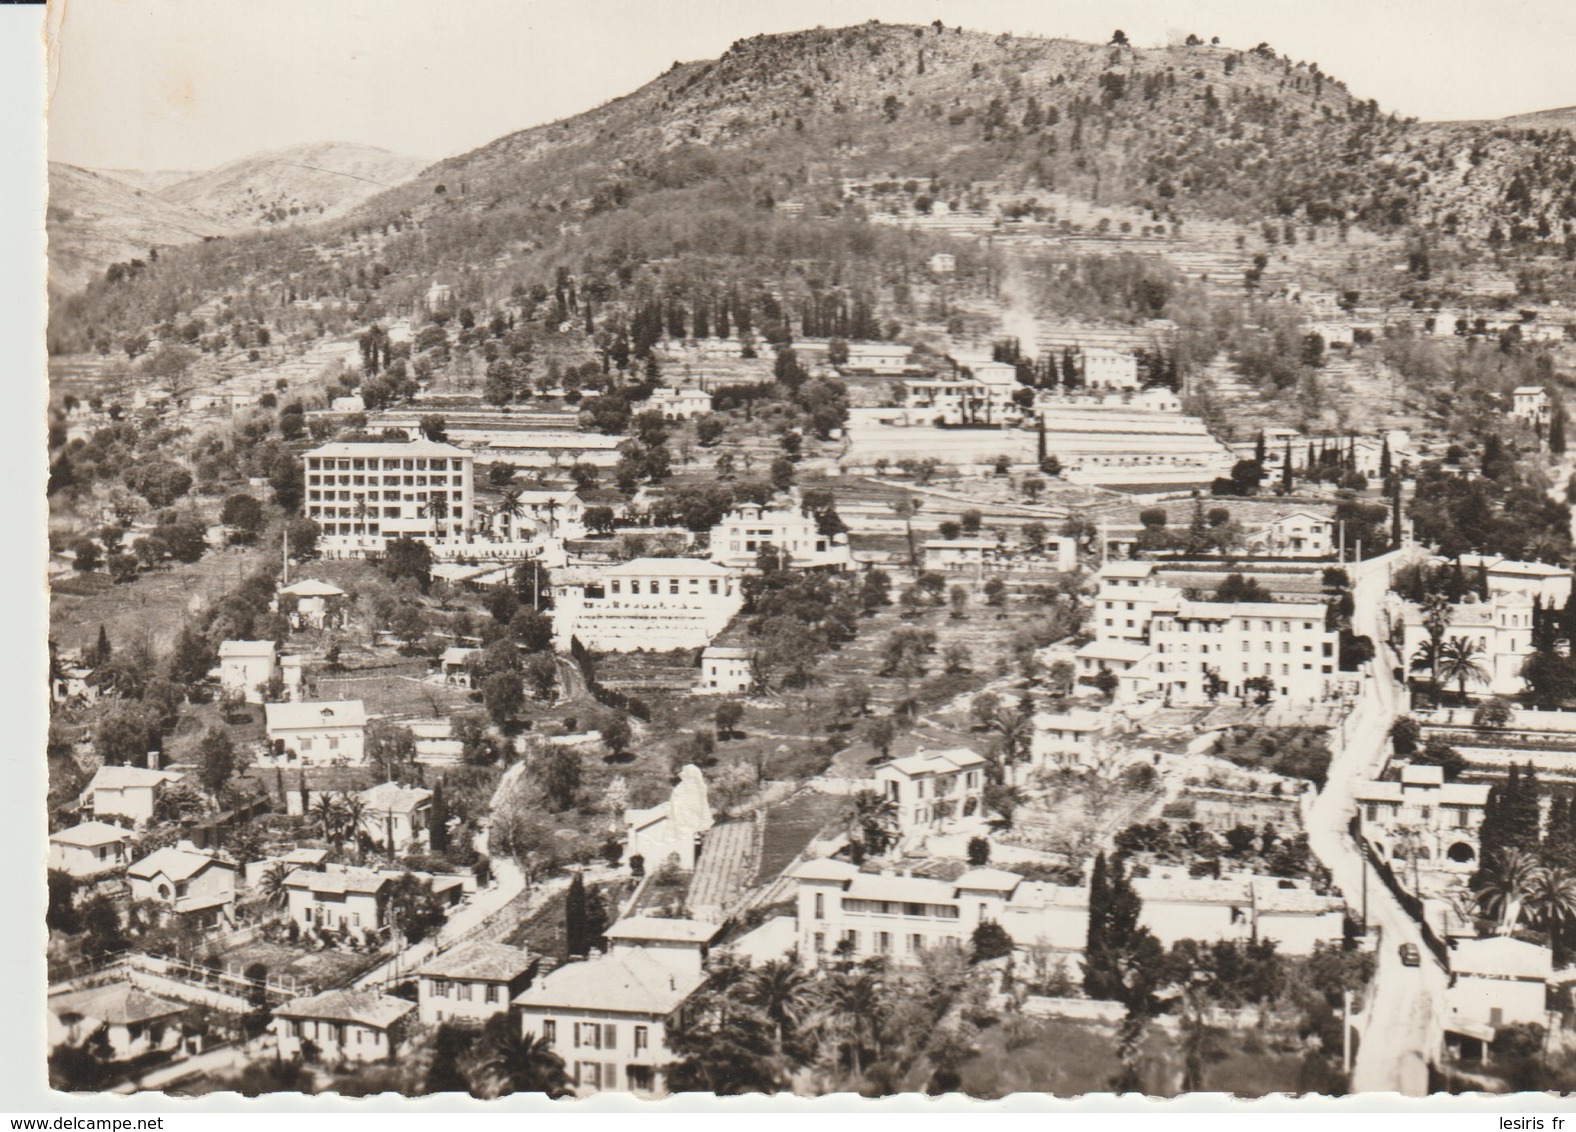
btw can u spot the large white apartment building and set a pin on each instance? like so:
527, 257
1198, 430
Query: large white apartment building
363, 494
749, 528
1200, 650
898, 915
657, 604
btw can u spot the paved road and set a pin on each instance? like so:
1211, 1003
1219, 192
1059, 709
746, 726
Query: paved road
509, 884
1401, 1028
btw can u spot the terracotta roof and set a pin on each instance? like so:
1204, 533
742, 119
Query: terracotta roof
368, 1008
391, 797
657, 928
492, 962
633, 982
91, 833
177, 864
323, 713
117, 1004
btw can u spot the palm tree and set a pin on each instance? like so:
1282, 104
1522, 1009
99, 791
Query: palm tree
1017, 731
361, 509
272, 884
504, 1061
848, 1019
509, 507
353, 811
1510, 878
1552, 901
1458, 661
436, 508
874, 819
1437, 615
551, 507
781, 991
329, 814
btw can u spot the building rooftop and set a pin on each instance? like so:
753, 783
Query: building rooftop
630, 982
1127, 569
825, 868
390, 449
364, 1007
1192, 890
115, 1004
1078, 719
989, 880
391, 797
124, 777
1501, 958
659, 929
90, 834
1114, 650
1445, 794
682, 567
489, 962
177, 864
1271, 895
246, 648
323, 713
937, 762
893, 886
725, 652
311, 587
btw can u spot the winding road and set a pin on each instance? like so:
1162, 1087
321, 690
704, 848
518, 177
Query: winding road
1402, 1026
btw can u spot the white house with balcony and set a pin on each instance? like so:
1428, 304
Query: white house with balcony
316, 601
395, 817
1064, 738
317, 733
749, 528
1302, 534
931, 788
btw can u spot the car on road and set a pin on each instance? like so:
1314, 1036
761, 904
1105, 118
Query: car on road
1409, 955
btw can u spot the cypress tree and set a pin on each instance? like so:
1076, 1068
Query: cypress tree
575, 941
1557, 433
1523, 818
1258, 449
1482, 580
438, 835
1286, 467
101, 649
1384, 459
1095, 968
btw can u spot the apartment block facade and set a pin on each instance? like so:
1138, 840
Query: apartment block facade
364, 494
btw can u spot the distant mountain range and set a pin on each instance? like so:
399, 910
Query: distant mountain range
692, 162
99, 217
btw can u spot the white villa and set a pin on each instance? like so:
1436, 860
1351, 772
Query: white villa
473, 981
931, 788
677, 404
187, 883
326, 733
395, 817
748, 528
725, 670
647, 603
1500, 630
1531, 404
89, 849
1423, 817
344, 1025
126, 791
246, 667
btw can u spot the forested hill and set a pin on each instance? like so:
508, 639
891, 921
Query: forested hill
692, 162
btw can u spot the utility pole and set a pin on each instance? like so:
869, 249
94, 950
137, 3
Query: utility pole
1346, 1029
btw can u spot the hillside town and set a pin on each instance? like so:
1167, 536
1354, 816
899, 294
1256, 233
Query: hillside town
608, 680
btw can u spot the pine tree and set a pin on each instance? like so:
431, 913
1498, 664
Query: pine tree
575, 941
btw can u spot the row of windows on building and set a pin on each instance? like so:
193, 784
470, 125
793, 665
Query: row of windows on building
1463, 815
377, 481
383, 463
464, 992
325, 916
334, 1032
654, 586
1246, 646
595, 1035
858, 906
881, 942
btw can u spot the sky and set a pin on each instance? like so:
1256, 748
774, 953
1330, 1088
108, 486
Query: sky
191, 84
